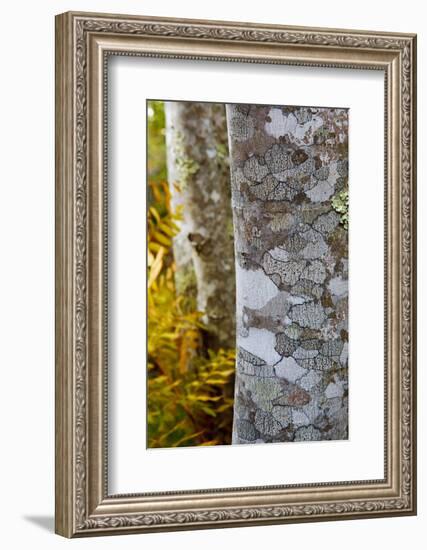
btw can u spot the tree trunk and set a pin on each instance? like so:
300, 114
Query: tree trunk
288, 164
198, 173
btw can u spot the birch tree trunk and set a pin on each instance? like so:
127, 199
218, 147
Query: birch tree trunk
288, 166
198, 173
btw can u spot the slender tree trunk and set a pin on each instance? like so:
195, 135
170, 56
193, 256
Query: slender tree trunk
291, 246
198, 173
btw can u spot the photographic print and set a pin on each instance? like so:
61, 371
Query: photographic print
220, 317
248, 273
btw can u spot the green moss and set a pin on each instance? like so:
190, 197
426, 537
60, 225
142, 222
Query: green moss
340, 204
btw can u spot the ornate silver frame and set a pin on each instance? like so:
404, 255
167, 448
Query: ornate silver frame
83, 42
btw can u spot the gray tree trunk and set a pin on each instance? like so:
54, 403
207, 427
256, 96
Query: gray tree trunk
291, 247
198, 173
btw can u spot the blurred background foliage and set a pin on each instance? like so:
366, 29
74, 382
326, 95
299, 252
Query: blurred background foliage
190, 387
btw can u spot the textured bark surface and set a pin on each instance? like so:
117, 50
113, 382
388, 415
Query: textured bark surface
291, 246
199, 178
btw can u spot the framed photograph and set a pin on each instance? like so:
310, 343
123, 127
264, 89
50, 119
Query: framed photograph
235, 274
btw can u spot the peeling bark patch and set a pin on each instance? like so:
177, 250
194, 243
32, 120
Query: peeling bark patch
287, 163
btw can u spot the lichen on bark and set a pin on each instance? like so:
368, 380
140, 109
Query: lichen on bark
199, 180
291, 248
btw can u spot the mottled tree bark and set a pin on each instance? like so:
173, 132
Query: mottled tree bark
291, 247
198, 173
